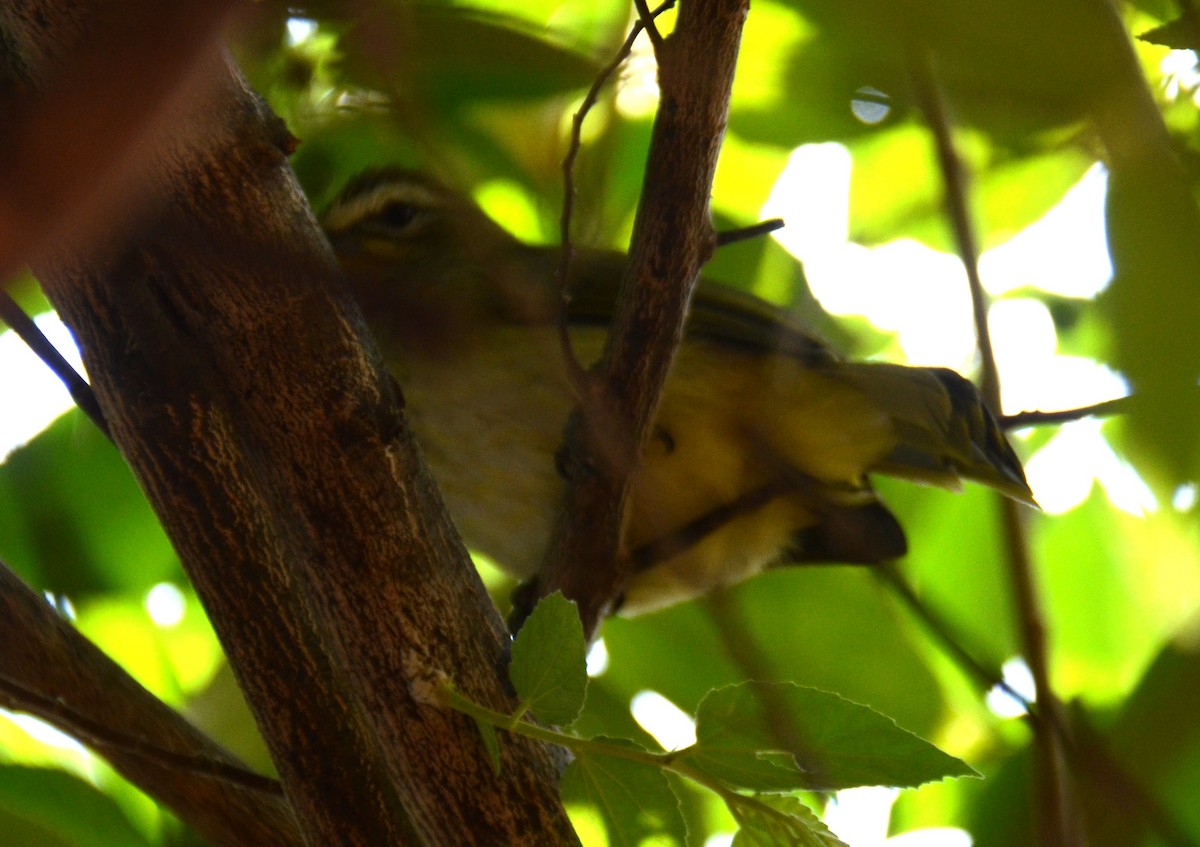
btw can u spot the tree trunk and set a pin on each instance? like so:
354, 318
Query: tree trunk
238, 380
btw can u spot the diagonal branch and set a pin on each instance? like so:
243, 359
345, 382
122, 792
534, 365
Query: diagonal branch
1059, 822
13, 315
51, 671
1086, 748
673, 237
242, 387
575, 371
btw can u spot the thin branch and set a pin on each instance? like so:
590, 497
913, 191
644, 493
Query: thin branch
1086, 748
672, 239
943, 633
957, 191
646, 19
16, 697
754, 664
1059, 825
51, 671
1116, 406
732, 236
575, 371
13, 315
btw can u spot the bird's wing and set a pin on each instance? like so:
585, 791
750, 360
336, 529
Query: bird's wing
943, 430
717, 312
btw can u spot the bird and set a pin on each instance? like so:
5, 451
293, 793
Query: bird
764, 443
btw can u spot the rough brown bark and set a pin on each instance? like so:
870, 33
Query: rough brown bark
239, 381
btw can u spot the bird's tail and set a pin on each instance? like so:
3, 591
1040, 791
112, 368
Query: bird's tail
945, 432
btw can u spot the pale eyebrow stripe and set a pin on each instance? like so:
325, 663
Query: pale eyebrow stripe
348, 211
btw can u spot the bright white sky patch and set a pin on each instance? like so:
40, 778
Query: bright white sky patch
1019, 678
1182, 74
670, 726
859, 816
44, 733
1034, 375
921, 295
597, 658
31, 396
813, 195
300, 30
937, 836
1061, 474
1065, 252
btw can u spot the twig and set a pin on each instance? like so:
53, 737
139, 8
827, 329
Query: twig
672, 238
575, 371
956, 179
732, 236
1087, 750
1059, 826
19, 698
938, 627
13, 315
755, 664
1115, 406
1091, 757
646, 18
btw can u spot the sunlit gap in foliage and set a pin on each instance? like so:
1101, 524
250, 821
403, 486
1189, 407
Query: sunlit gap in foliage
861, 816
1181, 75
920, 295
1018, 678
597, 658
165, 604
300, 30
33, 396
508, 204
61, 603
669, 725
936, 836
32, 741
637, 81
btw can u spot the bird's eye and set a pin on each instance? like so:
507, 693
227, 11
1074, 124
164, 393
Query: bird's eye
398, 216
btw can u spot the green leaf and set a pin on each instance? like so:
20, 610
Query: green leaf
827, 628
785, 822
1152, 304
62, 809
782, 737
548, 662
456, 56
1009, 191
73, 519
634, 800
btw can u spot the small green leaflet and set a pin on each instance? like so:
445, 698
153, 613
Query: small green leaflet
785, 823
635, 801
834, 743
548, 662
